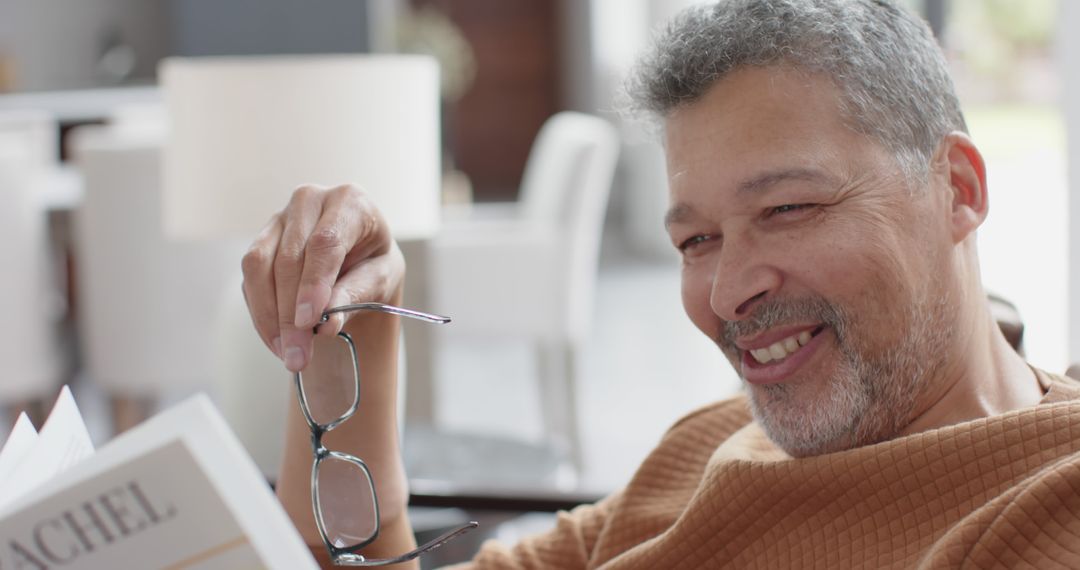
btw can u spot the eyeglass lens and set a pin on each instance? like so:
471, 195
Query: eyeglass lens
328, 382
347, 501
343, 492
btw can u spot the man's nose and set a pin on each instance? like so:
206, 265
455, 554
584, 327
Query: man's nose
741, 281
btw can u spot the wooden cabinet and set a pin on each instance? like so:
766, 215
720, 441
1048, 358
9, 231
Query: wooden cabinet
516, 88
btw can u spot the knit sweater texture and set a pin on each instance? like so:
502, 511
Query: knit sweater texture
996, 492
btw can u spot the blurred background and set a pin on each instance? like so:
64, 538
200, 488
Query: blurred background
517, 410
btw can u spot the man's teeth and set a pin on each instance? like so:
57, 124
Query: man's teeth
781, 349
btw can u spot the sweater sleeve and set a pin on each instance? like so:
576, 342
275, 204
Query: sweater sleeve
569, 545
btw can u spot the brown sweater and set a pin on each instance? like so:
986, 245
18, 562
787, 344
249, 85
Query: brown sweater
1002, 491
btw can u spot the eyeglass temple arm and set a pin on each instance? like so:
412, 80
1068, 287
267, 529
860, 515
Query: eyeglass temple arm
383, 307
359, 560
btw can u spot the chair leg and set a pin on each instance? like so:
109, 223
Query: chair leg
419, 341
129, 411
418, 375
558, 400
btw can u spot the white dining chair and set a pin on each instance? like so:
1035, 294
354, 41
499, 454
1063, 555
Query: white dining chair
529, 270
147, 305
28, 296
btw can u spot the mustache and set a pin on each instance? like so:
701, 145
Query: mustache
775, 312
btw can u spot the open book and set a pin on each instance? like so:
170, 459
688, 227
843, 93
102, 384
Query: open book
176, 492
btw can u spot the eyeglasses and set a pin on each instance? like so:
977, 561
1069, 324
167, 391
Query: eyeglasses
329, 394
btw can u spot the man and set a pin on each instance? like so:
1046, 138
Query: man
824, 198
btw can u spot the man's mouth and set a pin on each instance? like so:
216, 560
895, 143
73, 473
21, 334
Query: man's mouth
779, 360
783, 348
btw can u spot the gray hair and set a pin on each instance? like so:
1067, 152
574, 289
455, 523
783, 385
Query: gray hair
894, 80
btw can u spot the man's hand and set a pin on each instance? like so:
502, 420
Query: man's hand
331, 247
328, 247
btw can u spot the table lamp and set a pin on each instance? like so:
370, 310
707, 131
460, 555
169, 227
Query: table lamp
247, 131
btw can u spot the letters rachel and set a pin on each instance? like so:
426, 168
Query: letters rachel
110, 517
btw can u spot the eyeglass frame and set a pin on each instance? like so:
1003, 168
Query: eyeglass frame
347, 555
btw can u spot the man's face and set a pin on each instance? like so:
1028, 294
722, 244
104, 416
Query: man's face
821, 274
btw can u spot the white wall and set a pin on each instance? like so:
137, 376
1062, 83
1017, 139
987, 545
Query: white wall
1023, 245
1069, 66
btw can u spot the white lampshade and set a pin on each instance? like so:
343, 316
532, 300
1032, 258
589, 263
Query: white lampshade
246, 131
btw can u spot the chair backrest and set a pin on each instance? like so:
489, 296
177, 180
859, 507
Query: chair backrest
572, 154
1008, 319
566, 185
39, 132
27, 345
147, 304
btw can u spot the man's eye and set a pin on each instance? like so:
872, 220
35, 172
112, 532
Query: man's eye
788, 208
693, 241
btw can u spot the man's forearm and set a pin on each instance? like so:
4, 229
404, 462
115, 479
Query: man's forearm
371, 434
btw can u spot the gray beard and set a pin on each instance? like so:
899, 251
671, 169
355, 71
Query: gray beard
869, 399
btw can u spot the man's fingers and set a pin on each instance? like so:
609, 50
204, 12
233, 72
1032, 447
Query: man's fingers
328, 247
374, 279
258, 285
332, 238
300, 218
351, 231
336, 322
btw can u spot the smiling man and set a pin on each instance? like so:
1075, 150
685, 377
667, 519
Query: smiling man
839, 277
824, 198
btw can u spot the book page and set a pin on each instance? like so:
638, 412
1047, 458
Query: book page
180, 483
158, 510
62, 442
21, 440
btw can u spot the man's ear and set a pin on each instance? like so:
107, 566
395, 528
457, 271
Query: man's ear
967, 184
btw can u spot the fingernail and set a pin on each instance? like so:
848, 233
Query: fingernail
276, 344
303, 315
294, 358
